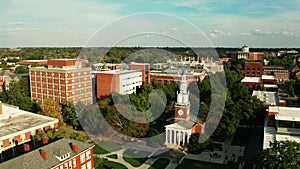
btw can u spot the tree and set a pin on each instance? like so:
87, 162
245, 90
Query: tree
280, 155
21, 70
51, 108
63, 132
18, 95
194, 146
70, 116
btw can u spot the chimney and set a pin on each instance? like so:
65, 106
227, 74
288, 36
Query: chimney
1, 108
43, 154
75, 148
26, 147
45, 140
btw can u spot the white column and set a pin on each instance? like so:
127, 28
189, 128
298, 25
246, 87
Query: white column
167, 132
183, 138
174, 136
188, 137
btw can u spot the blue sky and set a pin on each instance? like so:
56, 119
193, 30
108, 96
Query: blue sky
228, 23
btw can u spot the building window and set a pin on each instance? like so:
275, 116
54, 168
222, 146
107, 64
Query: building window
83, 166
88, 154
89, 165
66, 165
82, 158
74, 162
61, 167
70, 164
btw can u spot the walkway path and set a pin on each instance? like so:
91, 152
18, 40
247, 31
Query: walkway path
145, 165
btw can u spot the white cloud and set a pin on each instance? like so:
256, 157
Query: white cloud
217, 32
19, 23
22, 29
244, 34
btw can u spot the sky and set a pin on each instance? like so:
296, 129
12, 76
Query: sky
225, 23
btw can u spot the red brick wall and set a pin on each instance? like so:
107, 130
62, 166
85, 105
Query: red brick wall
255, 56
253, 69
186, 114
61, 62
104, 84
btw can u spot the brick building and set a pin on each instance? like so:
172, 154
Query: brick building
256, 69
18, 127
144, 68
118, 81
253, 69
63, 80
280, 72
246, 54
62, 154
179, 133
34, 62
176, 77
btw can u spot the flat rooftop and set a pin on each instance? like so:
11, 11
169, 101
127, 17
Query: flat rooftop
55, 150
14, 120
117, 71
251, 80
282, 137
286, 113
270, 86
268, 77
269, 98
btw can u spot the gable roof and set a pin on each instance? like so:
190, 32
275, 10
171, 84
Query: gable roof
33, 159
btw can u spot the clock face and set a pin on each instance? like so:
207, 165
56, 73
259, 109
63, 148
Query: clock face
180, 112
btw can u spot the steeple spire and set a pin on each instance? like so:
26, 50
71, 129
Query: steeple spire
183, 95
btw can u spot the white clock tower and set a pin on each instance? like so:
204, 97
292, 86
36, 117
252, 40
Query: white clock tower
182, 106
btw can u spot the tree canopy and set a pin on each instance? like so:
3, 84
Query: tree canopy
51, 108
280, 155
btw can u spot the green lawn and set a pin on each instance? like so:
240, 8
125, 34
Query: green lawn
191, 164
114, 156
135, 162
100, 164
104, 147
160, 163
130, 156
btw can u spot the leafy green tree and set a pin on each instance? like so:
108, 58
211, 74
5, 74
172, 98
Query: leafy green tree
63, 132
18, 95
280, 155
194, 146
70, 117
91, 119
21, 70
51, 108
3, 97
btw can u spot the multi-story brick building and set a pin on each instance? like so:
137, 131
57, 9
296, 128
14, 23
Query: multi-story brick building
62, 154
145, 68
118, 81
63, 80
253, 69
256, 69
280, 72
18, 127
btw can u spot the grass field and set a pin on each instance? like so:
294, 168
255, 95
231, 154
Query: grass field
191, 164
160, 163
103, 164
104, 147
114, 156
135, 162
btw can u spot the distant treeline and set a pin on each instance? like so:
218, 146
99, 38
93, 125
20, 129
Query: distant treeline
119, 54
